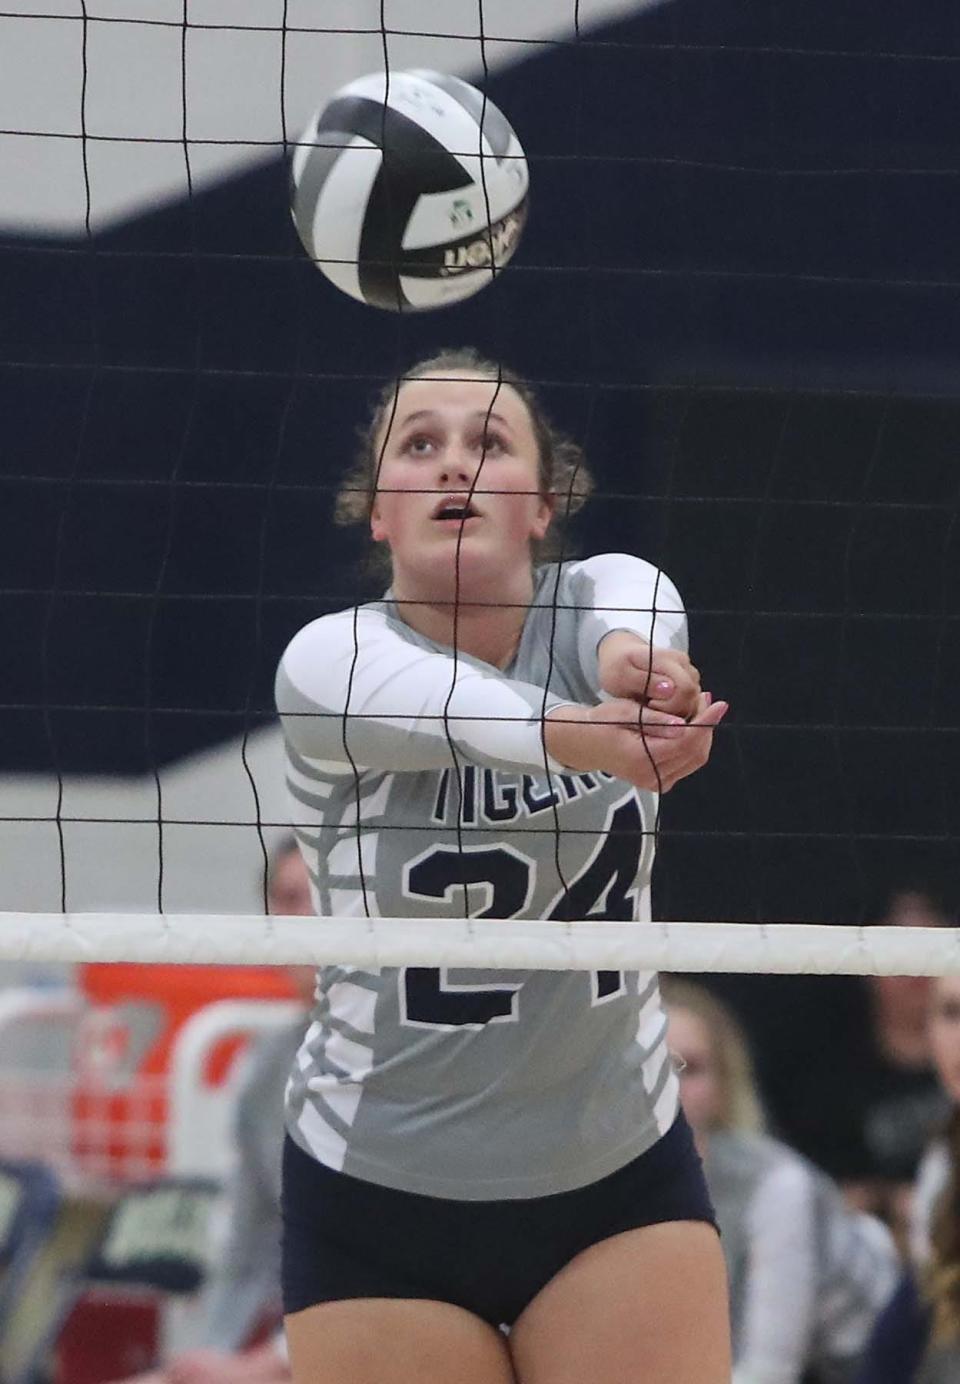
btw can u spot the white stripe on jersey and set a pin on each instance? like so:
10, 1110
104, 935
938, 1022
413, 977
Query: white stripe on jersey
372, 806
327, 1145
342, 1098
353, 1059
346, 859
348, 903
352, 1004
307, 782
652, 1025
652, 1069
665, 1106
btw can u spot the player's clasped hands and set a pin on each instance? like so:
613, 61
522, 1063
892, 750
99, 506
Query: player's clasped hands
663, 679
657, 727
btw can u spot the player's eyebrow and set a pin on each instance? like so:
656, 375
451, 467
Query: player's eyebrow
489, 417
481, 413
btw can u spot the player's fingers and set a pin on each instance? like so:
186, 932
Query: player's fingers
710, 713
645, 656
668, 667
652, 682
691, 751
674, 686
621, 711
660, 762
697, 744
660, 724
680, 703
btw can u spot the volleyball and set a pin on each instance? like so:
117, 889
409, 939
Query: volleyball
409, 190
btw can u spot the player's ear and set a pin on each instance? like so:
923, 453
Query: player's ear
377, 529
546, 509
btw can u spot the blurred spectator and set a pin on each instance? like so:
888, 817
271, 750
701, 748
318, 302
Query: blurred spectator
844, 1065
244, 1291
867, 1113
917, 1338
807, 1274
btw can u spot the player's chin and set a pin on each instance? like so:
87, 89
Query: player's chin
469, 547
448, 563
493, 562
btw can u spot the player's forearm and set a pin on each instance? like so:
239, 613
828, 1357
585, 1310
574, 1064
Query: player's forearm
423, 713
619, 593
576, 738
649, 748
568, 741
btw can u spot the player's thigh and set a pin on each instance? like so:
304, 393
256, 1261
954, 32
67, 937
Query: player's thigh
648, 1306
394, 1341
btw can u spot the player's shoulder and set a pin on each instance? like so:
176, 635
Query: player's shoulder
327, 632
612, 572
627, 566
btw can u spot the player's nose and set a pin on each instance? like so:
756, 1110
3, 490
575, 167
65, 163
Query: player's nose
458, 467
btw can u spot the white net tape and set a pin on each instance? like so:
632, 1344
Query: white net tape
217, 939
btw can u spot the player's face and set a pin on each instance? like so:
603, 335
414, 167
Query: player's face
459, 482
688, 1038
945, 1032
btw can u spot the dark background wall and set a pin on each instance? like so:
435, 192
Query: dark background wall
737, 286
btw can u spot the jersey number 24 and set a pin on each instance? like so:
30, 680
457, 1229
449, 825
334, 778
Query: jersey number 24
603, 890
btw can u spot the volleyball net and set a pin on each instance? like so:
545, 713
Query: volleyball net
482, 943
171, 354
736, 289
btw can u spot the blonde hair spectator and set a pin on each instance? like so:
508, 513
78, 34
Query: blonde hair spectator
738, 1102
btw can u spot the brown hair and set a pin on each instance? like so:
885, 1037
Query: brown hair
942, 1275
563, 467
739, 1105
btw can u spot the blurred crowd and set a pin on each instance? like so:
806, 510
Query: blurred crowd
827, 1113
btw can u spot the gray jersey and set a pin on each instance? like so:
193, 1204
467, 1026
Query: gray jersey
421, 787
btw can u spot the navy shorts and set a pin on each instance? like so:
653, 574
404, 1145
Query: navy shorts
347, 1238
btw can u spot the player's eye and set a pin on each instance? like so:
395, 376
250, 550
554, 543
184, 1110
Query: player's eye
492, 443
419, 445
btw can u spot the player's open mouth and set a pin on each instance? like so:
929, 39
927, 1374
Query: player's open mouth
455, 509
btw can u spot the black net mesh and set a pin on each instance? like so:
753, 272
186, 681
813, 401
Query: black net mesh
737, 288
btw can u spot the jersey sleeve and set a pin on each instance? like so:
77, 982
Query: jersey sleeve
352, 690
615, 591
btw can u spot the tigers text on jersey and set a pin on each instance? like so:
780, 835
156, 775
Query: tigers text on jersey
420, 787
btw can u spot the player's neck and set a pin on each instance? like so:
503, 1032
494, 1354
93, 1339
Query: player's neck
485, 624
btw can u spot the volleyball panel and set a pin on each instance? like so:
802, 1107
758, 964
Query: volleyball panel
446, 273
445, 219
332, 198
434, 103
497, 131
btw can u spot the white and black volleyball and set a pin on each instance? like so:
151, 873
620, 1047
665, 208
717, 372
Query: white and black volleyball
409, 193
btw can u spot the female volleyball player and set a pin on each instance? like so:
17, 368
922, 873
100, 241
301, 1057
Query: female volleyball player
470, 1151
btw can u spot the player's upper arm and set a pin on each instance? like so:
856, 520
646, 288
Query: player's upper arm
351, 689
615, 591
